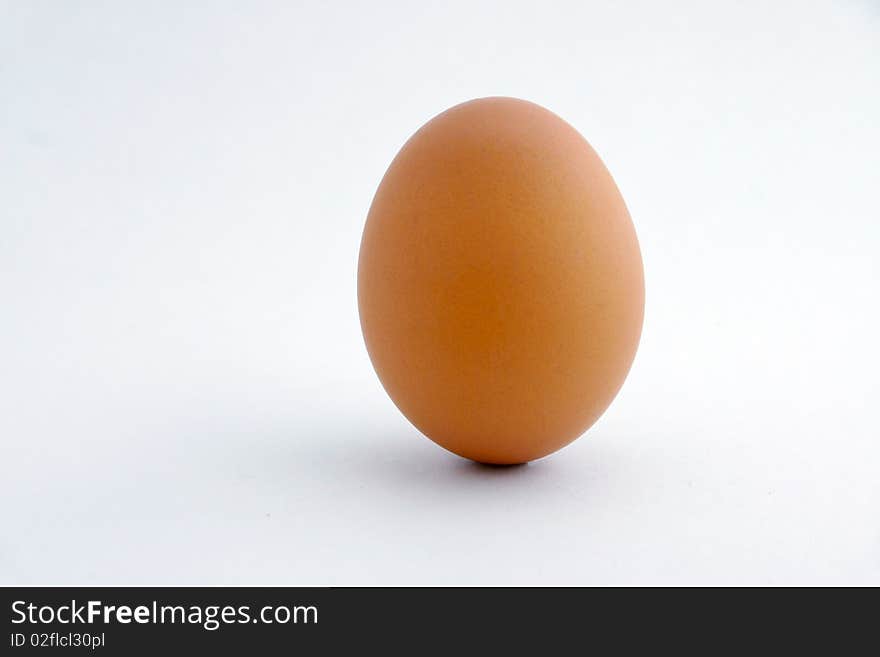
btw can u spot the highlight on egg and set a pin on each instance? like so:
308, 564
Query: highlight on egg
500, 282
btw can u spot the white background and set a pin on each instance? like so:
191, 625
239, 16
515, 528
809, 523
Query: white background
184, 393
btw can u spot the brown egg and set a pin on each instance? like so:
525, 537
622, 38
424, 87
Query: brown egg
500, 282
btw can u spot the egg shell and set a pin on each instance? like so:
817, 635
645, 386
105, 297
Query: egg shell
500, 282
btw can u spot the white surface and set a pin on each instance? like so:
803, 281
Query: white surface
185, 394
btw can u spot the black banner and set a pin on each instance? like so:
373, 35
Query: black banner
134, 621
